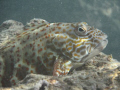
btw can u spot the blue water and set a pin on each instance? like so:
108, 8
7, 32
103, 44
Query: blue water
102, 14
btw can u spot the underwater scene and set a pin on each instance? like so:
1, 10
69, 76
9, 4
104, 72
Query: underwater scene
60, 44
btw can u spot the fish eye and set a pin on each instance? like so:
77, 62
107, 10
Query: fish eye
80, 29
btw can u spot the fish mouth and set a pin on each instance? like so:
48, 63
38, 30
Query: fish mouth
104, 38
103, 43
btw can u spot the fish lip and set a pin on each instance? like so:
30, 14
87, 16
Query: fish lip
106, 41
103, 43
104, 38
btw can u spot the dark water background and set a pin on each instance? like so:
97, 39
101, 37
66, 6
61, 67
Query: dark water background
102, 14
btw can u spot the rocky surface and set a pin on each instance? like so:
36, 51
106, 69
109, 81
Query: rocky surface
102, 72
8, 29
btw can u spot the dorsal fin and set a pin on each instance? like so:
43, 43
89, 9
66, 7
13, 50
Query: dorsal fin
35, 23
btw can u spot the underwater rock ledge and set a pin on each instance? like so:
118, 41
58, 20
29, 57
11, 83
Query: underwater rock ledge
102, 72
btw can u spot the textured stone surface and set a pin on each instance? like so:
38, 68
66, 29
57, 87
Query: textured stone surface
9, 28
100, 73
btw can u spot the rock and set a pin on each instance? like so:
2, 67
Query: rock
9, 28
100, 73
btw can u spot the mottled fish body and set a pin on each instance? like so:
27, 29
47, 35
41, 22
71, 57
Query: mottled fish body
48, 48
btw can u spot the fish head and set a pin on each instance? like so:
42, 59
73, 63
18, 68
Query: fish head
93, 41
81, 41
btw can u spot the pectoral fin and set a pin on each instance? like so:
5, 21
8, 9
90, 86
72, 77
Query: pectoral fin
62, 67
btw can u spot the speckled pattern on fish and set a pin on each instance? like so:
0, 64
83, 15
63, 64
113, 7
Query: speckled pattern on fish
48, 48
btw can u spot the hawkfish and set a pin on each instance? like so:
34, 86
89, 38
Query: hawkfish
49, 49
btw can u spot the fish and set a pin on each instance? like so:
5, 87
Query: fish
48, 49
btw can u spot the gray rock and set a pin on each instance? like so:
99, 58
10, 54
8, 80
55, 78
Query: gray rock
100, 73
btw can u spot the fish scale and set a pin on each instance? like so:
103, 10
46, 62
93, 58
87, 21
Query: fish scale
48, 48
